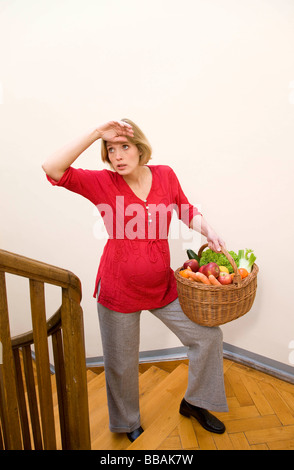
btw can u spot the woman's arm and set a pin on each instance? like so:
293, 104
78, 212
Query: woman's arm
199, 224
57, 164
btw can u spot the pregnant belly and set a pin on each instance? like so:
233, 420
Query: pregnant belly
151, 269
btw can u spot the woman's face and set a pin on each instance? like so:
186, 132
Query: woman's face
123, 156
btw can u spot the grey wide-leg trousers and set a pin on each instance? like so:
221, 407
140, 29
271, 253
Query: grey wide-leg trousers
120, 335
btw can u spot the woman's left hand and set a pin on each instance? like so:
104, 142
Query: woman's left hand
200, 224
214, 241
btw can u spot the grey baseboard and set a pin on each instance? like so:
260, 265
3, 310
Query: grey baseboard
263, 364
255, 361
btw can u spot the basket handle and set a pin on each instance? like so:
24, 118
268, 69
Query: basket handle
237, 277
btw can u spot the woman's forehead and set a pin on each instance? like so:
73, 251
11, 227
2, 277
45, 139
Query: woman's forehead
117, 140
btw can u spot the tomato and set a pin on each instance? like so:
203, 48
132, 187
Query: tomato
243, 272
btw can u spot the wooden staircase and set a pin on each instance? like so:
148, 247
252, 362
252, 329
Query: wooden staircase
68, 410
160, 394
27, 418
261, 412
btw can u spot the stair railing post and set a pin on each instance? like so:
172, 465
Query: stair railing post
8, 393
75, 369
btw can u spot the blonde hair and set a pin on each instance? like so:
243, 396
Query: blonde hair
139, 139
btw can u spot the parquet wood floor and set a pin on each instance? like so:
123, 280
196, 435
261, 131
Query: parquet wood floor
260, 417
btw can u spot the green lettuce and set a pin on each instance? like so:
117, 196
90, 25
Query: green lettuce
210, 256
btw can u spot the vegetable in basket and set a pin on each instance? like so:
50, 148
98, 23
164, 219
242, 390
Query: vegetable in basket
246, 260
210, 256
192, 255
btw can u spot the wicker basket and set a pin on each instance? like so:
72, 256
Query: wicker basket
216, 305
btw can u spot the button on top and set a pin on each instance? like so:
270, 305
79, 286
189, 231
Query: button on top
148, 213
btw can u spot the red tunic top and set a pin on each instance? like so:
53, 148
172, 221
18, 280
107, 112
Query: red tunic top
134, 269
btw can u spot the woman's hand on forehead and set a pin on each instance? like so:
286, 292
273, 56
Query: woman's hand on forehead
115, 131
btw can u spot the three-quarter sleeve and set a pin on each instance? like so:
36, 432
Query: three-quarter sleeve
87, 183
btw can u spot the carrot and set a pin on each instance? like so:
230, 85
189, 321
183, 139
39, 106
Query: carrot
213, 280
192, 275
203, 278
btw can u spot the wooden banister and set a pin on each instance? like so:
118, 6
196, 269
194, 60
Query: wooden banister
37, 270
54, 323
21, 424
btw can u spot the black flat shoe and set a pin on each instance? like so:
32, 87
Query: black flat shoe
134, 434
204, 417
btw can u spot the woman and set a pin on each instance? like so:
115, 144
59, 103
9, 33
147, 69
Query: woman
136, 201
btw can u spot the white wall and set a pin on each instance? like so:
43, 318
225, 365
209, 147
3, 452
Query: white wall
211, 82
